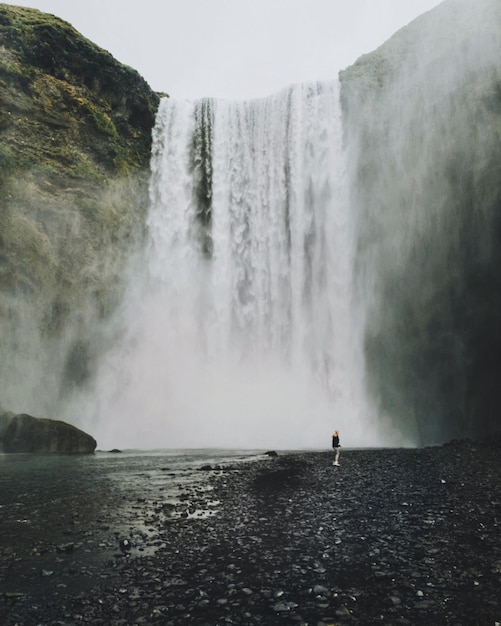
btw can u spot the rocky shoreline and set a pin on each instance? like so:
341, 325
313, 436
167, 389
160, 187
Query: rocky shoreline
391, 537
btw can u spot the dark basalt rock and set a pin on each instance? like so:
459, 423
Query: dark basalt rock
205, 468
402, 536
25, 433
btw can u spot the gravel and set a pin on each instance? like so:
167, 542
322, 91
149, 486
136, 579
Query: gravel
391, 536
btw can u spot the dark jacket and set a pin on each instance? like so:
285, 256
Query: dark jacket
335, 441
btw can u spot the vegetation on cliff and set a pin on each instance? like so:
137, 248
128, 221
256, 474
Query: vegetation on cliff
75, 138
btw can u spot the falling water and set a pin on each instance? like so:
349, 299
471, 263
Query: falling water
242, 330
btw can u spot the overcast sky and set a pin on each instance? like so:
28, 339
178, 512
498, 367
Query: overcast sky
235, 48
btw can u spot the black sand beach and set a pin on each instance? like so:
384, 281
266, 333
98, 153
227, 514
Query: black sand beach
389, 537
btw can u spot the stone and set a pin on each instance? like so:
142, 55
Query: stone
125, 545
14, 594
23, 433
343, 612
283, 607
392, 601
66, 548
423, 605
319, 590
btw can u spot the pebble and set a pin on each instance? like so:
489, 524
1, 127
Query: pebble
281, 607
392, 601
264, 553
343, 612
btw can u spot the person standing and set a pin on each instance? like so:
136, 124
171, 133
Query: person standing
336, 445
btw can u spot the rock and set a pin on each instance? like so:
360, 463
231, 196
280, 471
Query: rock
343, 612
116, 451
271, 453
423, 605
14, 594
283, 607
25, 433
66, 548
392, 601
246, 548
125, 545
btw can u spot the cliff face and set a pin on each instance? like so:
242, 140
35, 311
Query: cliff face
75, 138
423, 130
423, 134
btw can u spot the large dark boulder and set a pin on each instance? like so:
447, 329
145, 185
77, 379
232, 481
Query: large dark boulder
25, 433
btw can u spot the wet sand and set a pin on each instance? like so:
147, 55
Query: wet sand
389, 537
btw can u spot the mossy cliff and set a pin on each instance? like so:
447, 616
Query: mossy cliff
423, 131
75, 138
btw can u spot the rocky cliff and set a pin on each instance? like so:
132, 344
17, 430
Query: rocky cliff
423, 131
75, 137
423, 134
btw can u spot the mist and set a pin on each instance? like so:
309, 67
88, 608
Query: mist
424, 154
239, 330
66, 278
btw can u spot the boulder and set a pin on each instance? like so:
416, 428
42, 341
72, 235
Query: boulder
25, 433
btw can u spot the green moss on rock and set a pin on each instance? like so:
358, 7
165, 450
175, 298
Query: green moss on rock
75, 141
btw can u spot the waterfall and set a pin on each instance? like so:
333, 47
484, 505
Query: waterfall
241, 328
